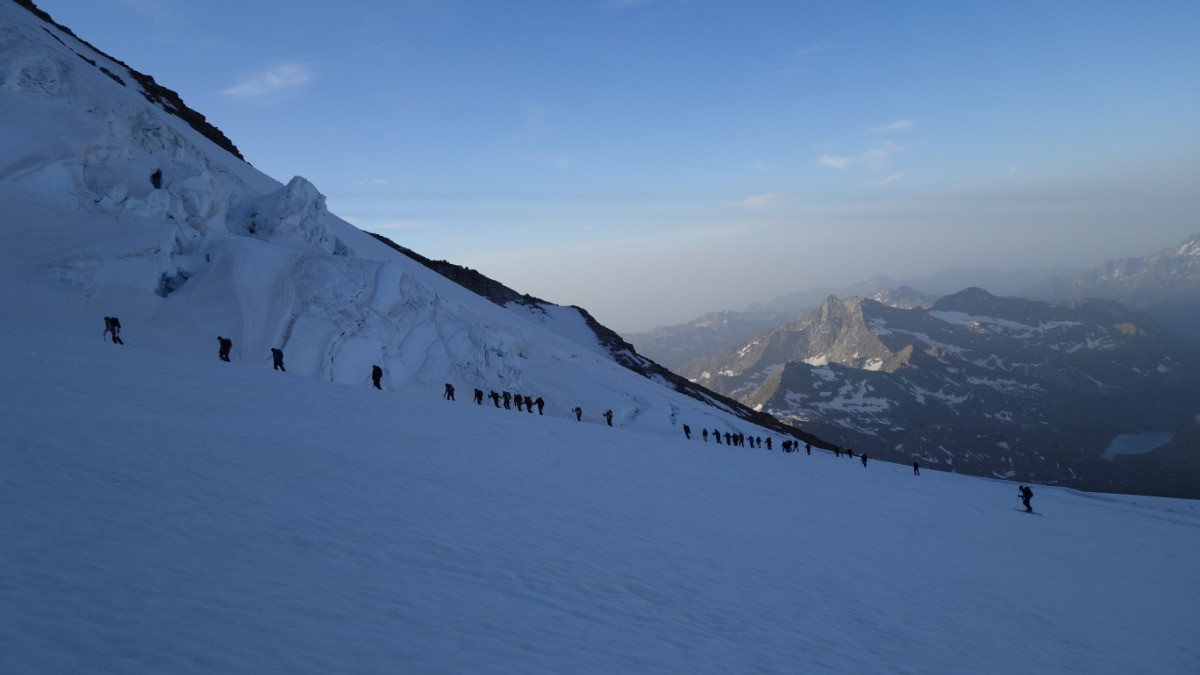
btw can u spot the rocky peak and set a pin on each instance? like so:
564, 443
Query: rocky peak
966, 300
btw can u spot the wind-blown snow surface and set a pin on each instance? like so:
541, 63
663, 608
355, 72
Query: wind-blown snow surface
168, 513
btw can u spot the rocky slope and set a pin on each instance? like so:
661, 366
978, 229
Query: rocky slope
675, 346
977, 383
1165, 285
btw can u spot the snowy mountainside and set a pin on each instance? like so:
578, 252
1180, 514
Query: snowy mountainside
979, 384
1165, 285
115, 205
153, 92
166, 512
162, 511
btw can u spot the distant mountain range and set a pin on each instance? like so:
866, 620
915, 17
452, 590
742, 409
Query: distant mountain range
1165, 285
1007, 387
674, 346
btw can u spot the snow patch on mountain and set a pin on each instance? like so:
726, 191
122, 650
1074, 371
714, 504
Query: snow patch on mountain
1014, 329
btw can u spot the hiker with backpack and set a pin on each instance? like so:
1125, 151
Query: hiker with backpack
376, 376
1026, 494
449, 393
608, 417
113, 325
277, 359
578, 413
224, 345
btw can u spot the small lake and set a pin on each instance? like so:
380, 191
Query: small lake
1136, 444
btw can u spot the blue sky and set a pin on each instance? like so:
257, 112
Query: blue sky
653, 160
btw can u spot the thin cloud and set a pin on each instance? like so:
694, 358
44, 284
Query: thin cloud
164, 16
812, 50
274, 81
835, 162
875, 159
889, 180
893, 127
767, 200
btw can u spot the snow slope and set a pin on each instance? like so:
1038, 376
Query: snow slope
162, 511
172, 513
217, 248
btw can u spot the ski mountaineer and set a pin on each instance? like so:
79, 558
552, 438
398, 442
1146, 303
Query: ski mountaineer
1026, 494
225, 345
376, 376
478, 397
578, 413
608, 417
449, 394
687, 432
277, 359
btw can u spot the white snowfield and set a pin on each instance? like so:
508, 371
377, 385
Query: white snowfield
164, 512
171, 513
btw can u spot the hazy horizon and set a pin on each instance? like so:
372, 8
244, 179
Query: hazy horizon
654, 160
